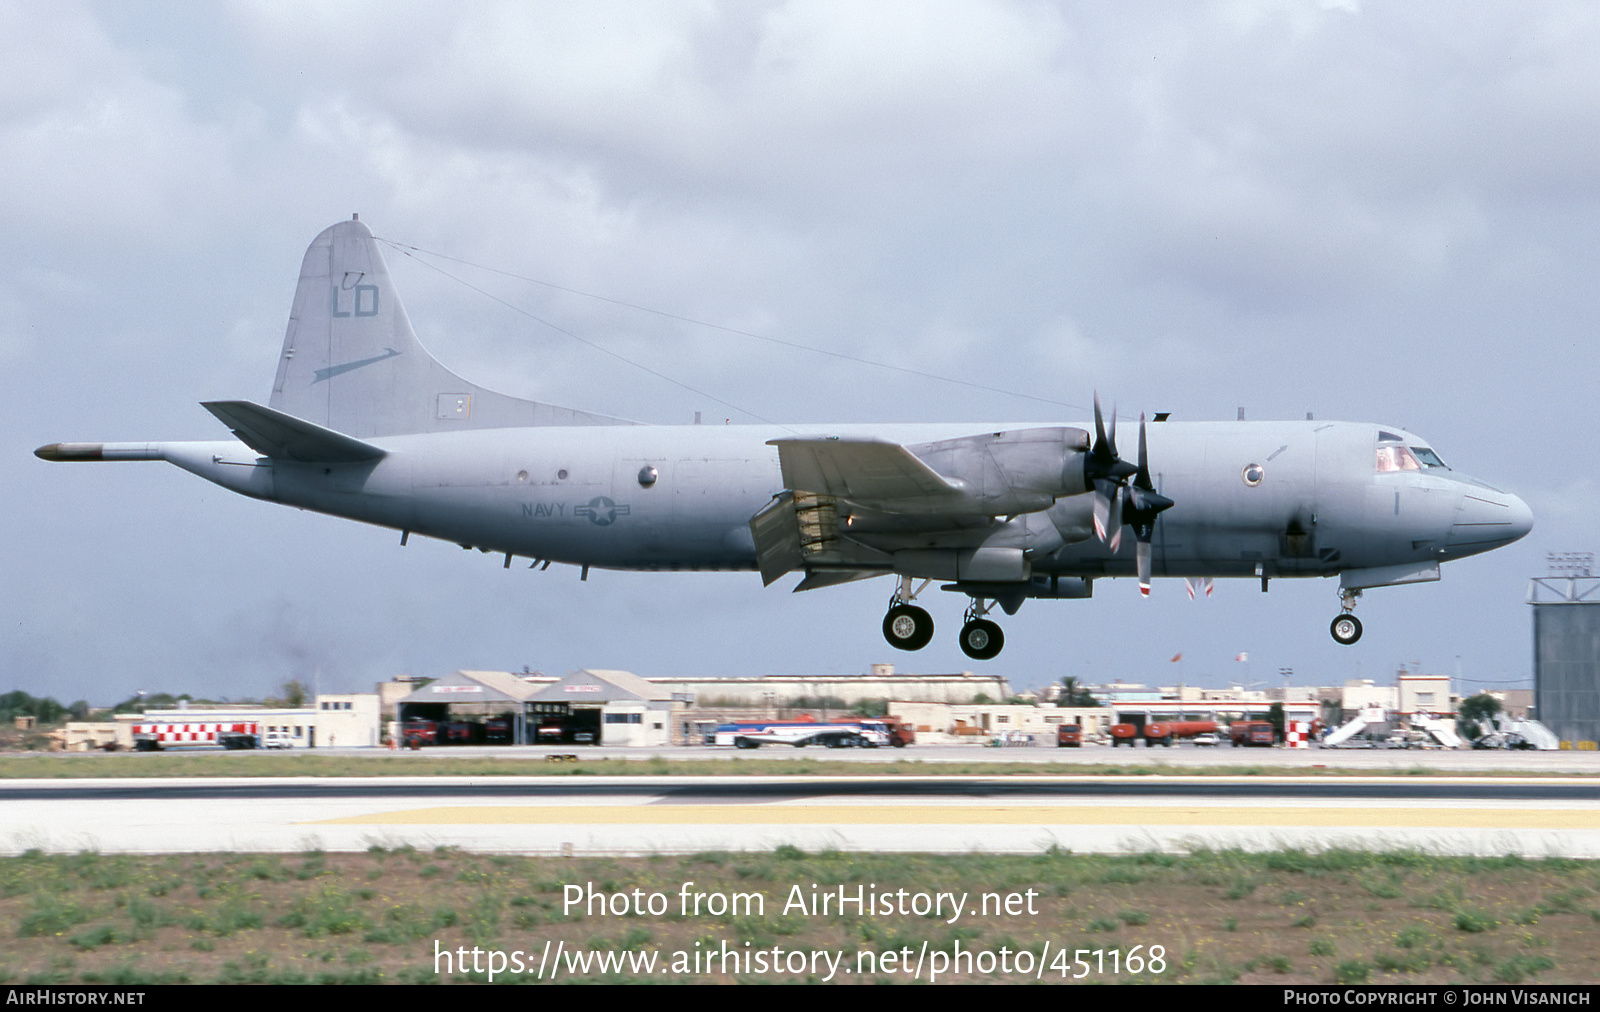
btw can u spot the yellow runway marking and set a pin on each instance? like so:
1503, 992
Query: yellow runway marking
981, 815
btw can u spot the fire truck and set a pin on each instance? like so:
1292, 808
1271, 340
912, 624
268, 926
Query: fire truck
1248, 733
155, 736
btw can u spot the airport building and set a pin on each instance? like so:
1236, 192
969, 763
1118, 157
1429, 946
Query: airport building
881, 682
1566, 649
334, 720
594, 707
588, 707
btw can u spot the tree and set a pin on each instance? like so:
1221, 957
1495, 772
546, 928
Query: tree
1073, 694
294, 693
1275, 716
1475, 713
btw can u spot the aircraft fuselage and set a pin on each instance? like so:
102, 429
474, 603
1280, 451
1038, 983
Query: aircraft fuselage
574, 495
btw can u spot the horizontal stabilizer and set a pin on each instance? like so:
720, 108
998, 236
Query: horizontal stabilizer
285, 437
861, 470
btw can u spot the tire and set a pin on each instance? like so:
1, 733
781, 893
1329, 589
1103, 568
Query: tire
981, 639
907, 627
1345, 629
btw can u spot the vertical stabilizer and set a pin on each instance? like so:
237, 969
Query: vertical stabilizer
351, 362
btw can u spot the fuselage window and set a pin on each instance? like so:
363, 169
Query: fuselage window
1428, 457
1397, 458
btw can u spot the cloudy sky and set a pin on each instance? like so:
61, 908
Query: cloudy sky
1376, 211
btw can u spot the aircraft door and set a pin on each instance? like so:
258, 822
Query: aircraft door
1344, 478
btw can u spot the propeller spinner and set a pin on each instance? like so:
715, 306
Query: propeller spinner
1144, 504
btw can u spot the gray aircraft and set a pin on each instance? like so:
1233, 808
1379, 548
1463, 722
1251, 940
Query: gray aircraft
363, 423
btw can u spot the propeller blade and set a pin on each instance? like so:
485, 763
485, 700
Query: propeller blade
1104, 490
1141, 477
1115, 520
1142, 559
1099, 427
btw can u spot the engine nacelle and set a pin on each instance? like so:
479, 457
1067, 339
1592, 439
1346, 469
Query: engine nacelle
1017, 471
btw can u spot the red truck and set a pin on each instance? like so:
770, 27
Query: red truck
1251, 733
416, 733
1069, 736
1165, 732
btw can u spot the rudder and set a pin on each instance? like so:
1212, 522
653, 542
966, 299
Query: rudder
352, 363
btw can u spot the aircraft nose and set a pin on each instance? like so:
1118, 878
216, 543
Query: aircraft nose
1486, 519
1521, 518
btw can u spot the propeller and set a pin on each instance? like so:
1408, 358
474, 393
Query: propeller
1144, 504
1107, 473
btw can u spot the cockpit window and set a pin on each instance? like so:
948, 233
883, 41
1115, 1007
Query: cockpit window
1428, 457
1397, 458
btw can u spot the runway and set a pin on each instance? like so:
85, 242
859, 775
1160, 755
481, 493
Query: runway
643, 815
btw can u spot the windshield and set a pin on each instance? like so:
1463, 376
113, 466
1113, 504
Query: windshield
1397, 458
1394, 457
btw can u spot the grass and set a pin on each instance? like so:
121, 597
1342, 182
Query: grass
374, 917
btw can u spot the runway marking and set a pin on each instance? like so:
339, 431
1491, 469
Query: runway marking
980, 815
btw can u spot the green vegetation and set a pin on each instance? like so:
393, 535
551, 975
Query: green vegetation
1475, 713
1074, 695
374, 916
45, 711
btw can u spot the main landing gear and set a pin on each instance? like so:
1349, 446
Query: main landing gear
908, 627
981, 639
1346, 628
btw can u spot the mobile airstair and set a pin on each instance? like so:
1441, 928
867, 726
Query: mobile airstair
1363, 718
1535, 733
1443, 729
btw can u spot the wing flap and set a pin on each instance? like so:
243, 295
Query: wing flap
862, 470
776, 530
285, 437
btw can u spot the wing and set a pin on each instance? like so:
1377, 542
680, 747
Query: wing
852, 504
872, 472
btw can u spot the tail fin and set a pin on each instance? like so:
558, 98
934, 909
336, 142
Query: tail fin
351, 362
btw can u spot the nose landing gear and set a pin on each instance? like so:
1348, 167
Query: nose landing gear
1346, 628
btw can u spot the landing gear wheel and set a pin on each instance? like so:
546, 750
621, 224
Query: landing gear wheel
981, 639
1346, 629
907, 627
